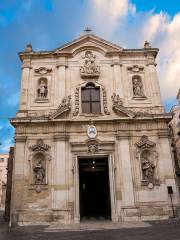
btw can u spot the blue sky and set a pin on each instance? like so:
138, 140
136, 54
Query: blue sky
48, 24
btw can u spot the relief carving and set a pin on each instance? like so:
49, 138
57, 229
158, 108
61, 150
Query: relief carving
92, 146
76, 102
42, 70
105, 102
135, 68
90, 69
147, 155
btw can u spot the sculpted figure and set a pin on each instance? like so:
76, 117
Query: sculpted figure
137, 87
42, 89
39, 172
147, 167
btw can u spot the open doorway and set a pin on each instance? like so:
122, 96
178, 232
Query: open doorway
94, 189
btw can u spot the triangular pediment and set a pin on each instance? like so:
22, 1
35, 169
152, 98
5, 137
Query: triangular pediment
88, 41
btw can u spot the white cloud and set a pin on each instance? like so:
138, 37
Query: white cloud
117, 19
165, 34
105, 14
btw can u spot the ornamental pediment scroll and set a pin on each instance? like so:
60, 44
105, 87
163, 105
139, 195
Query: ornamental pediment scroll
63, 108
38, 161
148, 157
89, 69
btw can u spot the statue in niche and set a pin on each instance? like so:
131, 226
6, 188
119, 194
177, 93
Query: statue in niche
39, 171
42, 89
137, 87
89, 67
148, 167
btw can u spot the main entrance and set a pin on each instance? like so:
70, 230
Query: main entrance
94, 189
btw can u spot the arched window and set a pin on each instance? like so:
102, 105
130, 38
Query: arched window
90, 96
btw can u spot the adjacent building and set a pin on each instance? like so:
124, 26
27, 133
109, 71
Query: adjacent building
3, 178
174, 126
91, 136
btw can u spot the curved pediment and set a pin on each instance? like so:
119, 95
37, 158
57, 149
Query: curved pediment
88, 42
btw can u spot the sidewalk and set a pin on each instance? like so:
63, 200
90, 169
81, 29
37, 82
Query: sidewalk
95, 225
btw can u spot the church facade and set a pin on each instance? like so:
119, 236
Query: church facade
91, 136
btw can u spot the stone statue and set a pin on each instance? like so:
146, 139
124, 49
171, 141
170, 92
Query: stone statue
42, 90
39, 172
137, 87
147, 168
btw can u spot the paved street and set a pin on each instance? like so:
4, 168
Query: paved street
166, 230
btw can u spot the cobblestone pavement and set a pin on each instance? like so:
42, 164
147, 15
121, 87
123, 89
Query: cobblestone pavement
165, 230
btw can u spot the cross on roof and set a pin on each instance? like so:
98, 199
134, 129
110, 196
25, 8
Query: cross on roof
87, 30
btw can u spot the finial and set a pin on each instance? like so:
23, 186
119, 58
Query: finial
147, 44
87, 30
28, 48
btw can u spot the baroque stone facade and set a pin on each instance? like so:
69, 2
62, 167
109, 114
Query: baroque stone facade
91, 111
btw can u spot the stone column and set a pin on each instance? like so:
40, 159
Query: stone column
128, 210
17, 179
25, 84
60, 185
155, 84
61, 79
166, 165
118, 87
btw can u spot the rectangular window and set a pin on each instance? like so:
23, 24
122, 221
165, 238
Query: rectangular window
90, 97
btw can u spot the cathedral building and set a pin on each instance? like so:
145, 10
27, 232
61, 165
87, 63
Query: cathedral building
91, 136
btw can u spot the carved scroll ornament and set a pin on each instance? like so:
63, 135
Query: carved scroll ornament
64, 107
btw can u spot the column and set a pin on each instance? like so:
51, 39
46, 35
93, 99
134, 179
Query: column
18, 179
118, 87
155, 84
60, 186
61, 79
127, 179
166, 165
25, 84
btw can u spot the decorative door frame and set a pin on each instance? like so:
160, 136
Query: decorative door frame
111, 169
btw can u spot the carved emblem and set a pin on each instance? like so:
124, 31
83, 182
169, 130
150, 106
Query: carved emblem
135, 68
91, 131
105, 102
42, 70
147, 155
90, 69
40, 146
92, 146
76, 102
64, 107
145, 143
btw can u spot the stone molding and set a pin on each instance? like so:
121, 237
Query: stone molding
20, 138
163, 134
61, 137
